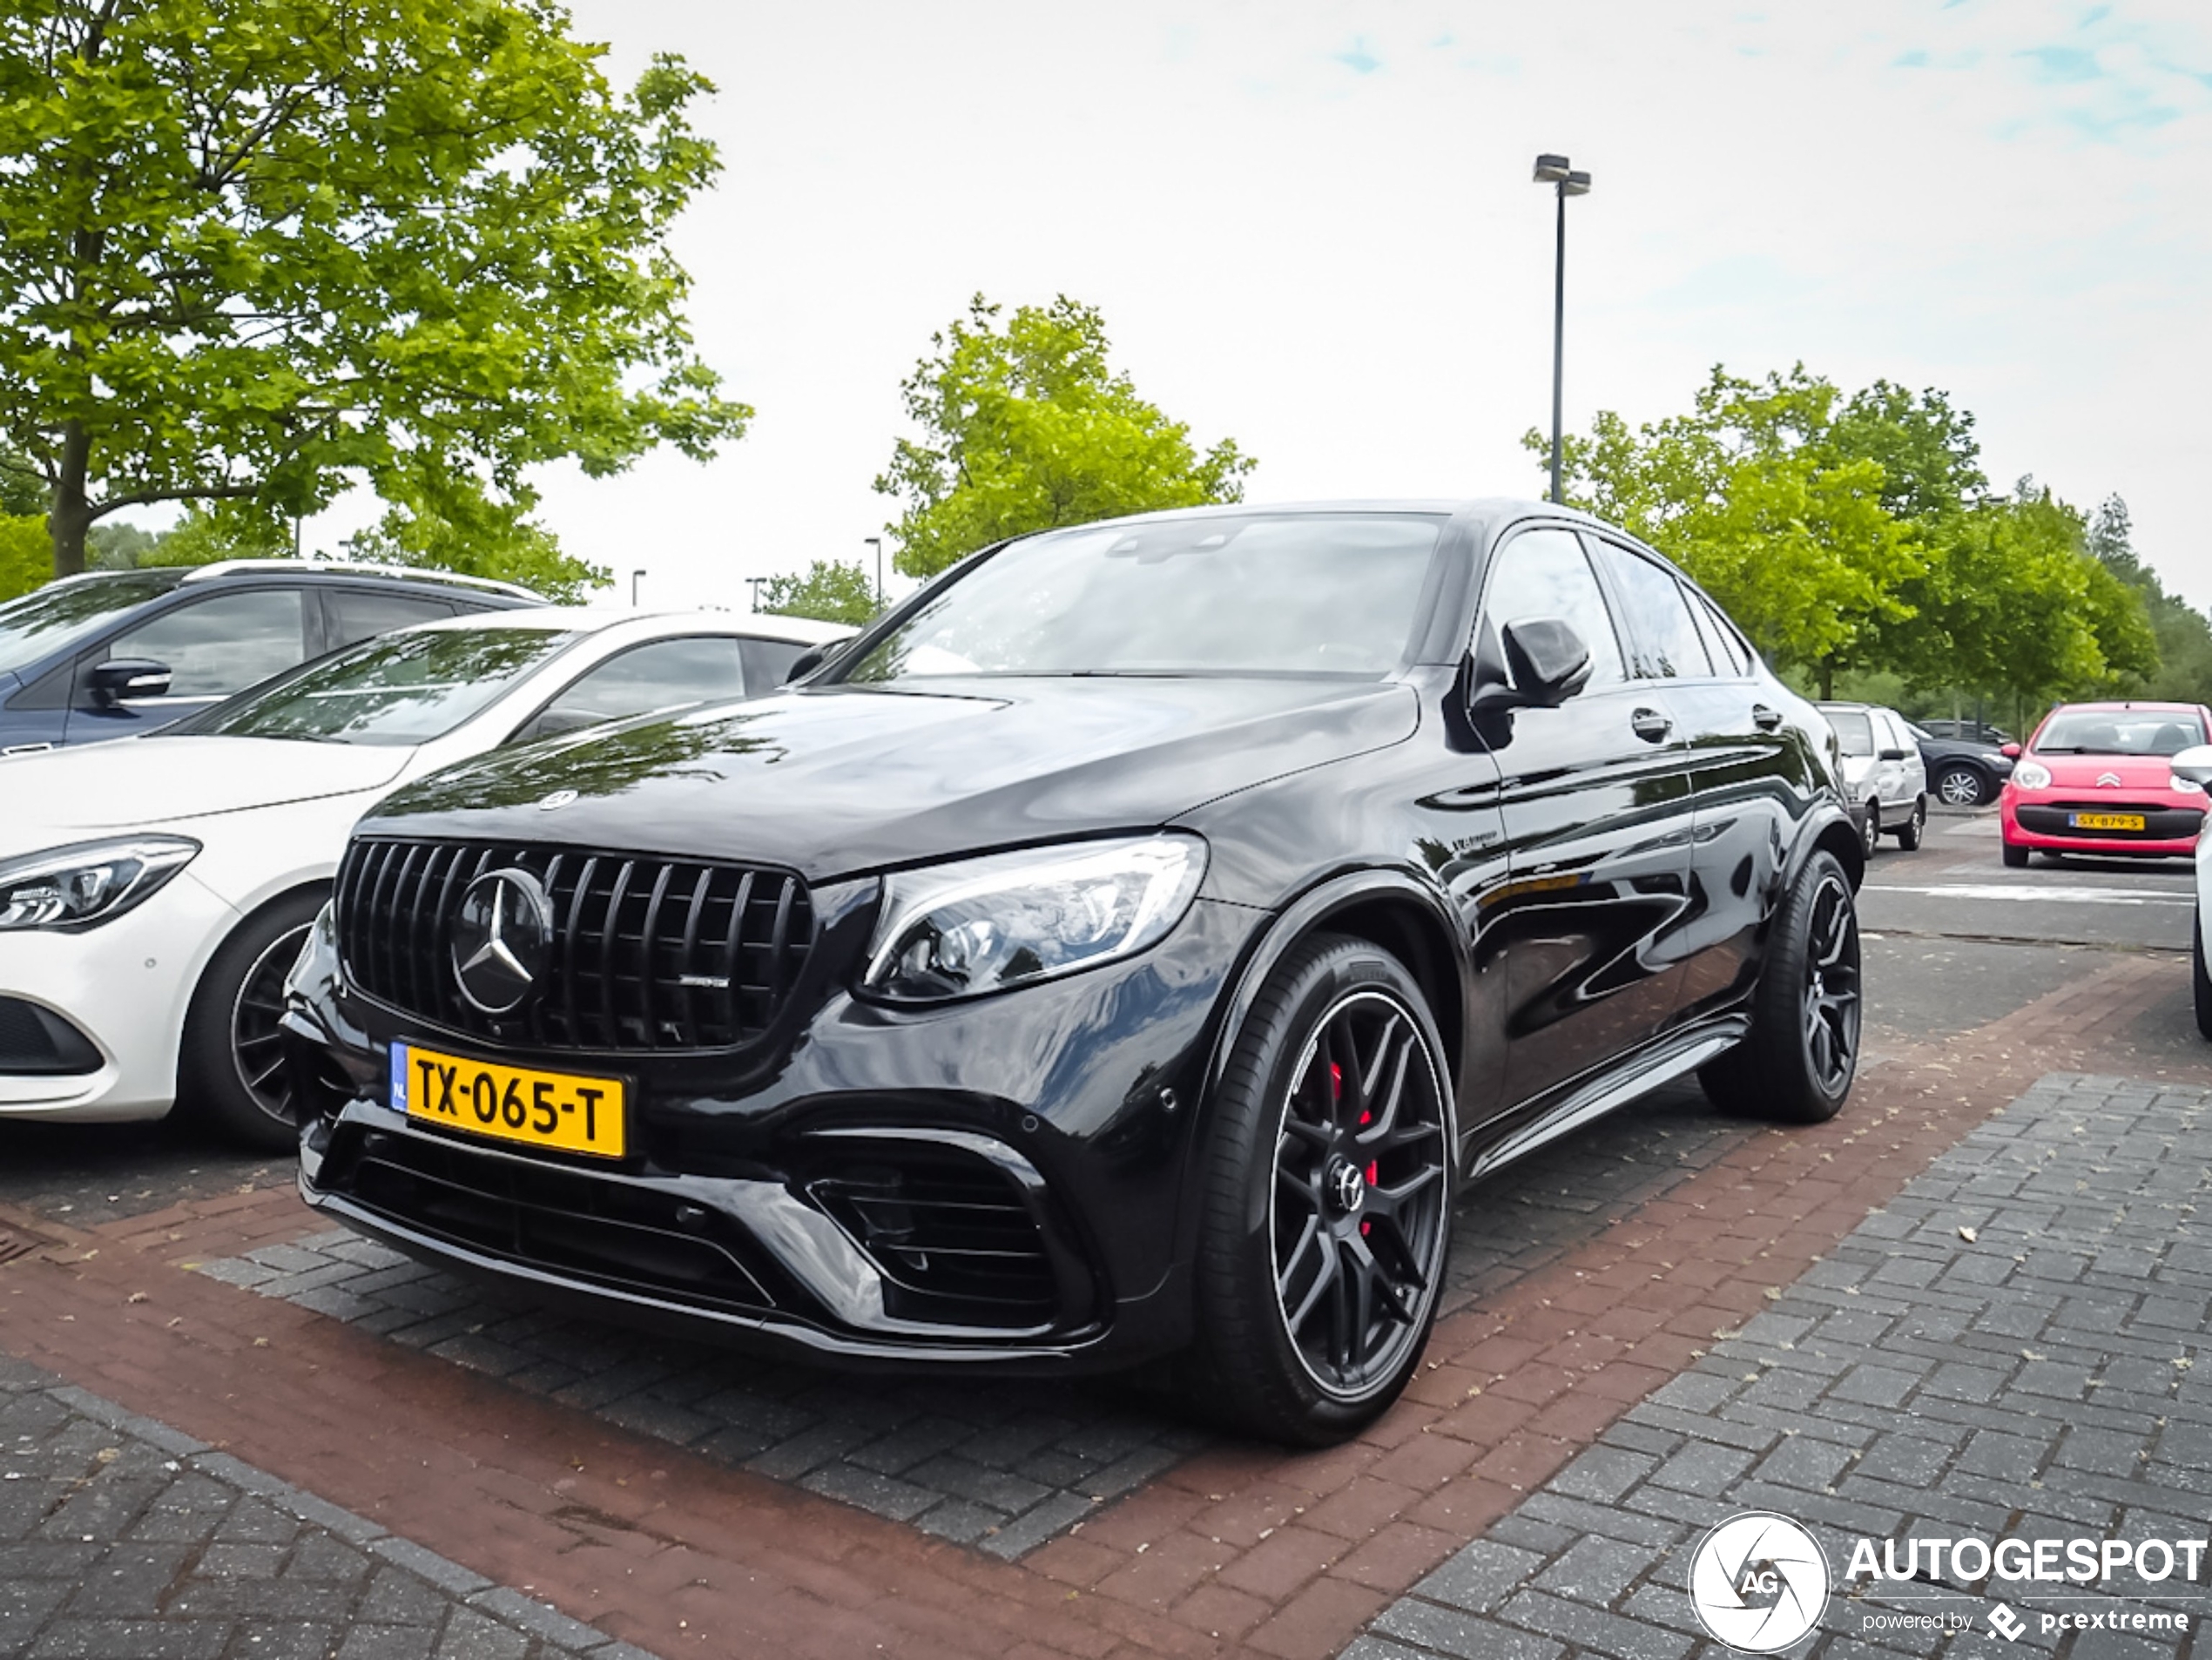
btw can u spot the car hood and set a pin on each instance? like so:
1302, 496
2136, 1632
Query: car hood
837, 781
2135, 773
134, 781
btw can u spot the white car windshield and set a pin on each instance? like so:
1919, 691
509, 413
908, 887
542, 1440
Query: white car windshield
402, 688
1262, 594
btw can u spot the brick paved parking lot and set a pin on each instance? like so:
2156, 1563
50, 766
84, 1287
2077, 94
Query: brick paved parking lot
690, 1501
120, 1536
2038, 1379
1004, 1468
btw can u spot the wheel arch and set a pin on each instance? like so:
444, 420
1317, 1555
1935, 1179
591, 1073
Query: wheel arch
1388, 908
1832, 832
319, 885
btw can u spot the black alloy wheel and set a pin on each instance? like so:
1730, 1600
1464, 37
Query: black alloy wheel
232, 1069
1962, 786
1360, 1173
1329, 1174
1830, 996
1797, 1063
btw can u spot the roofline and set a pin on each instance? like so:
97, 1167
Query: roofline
362, 568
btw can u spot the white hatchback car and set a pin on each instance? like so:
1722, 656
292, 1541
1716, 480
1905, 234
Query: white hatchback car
154, 891
1885, 781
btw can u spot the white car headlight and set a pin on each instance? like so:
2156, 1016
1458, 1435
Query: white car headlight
84, 884
1009, 920
2032, 775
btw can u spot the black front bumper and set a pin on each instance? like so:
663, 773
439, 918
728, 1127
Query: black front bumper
995, 1183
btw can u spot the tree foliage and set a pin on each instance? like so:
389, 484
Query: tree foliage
1750, 493
26, 555
1857, 534
1026, 427
249, 253
835, 591
2184, 672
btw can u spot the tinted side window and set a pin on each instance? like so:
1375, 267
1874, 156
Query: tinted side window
356, 614
703, 669
1722, 644
215, 647
1545, 573
1658, 611
768, 663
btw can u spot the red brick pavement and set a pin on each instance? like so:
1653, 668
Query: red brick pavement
1241, 1549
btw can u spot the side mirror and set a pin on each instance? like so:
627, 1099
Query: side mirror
2010, 752
122, 678
2194, 763
1548, 662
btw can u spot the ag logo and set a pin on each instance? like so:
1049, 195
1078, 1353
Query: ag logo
1758, 1582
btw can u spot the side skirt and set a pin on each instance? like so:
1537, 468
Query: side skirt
1674, 1056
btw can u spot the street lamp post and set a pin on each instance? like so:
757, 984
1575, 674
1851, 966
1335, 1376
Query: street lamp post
876, 541
1553, 170
754, 582
633, 588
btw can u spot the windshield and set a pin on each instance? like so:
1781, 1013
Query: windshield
2116, 732
62, 613
1853, 732
402, 688
1333, 594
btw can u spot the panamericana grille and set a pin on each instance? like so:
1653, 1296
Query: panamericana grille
648, 954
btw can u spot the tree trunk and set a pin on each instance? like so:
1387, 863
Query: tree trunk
1827, 676
68, 514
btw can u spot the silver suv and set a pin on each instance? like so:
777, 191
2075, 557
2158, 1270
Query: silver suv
1883, 776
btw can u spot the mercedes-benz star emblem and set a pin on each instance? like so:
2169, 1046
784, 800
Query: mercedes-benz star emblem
501, 938
556, 801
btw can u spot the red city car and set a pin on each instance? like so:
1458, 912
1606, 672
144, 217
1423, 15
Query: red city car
2095, 779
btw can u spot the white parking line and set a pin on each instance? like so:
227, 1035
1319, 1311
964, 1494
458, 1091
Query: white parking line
2060, 895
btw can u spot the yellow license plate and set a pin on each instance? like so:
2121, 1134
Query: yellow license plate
2106, 820
558, 1110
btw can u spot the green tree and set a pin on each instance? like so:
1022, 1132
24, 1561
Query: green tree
250, 253
26, 555
1026, 427
2184, 672
835, 591
1752, 494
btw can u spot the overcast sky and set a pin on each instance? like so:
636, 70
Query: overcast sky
1311, 227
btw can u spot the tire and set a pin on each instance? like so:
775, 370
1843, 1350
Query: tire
1314, 1298
2015, 858
2200, 981
1909, 832
230, 1073
1869, 828
1962, 786
1797, 1063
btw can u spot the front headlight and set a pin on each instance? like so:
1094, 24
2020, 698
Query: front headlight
2032, 775
1012, 919
84, 884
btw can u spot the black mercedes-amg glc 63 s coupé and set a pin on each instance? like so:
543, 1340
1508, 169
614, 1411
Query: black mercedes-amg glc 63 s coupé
1129, 949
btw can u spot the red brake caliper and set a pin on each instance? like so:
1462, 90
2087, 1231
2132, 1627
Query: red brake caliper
1336, 1086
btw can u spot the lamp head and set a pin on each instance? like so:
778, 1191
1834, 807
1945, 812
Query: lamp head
1550, 170
1574, 184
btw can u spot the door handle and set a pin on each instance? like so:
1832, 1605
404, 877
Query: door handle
1764, 718
1650, 726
